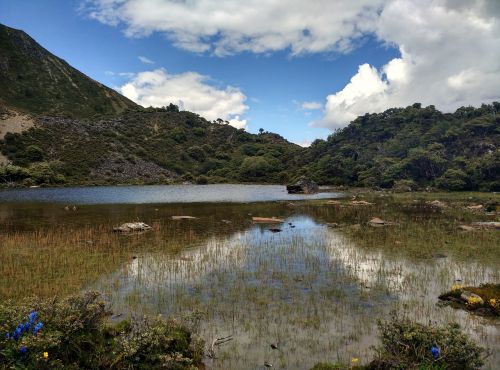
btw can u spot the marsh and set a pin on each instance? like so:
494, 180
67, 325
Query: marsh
312, 291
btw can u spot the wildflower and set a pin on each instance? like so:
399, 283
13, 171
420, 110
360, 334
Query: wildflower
354, 360
493, 302
435, 351
456, 287
7, 336
37, 328
32, 316
23, 350
45, 355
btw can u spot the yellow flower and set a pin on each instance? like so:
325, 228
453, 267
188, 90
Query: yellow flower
45, 355
471, 301
456, 287
493, 302
354, 360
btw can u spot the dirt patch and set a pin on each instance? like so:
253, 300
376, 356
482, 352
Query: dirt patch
15, 123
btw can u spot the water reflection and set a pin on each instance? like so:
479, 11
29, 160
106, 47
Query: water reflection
308, 287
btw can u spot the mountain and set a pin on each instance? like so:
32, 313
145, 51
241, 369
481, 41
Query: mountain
413, 147
35, 81
81, 132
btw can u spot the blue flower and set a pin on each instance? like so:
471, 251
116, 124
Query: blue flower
23, 350
7, 336
32, 316
435, 351
37, 328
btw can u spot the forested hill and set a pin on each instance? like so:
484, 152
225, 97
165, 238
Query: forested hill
410, 147
33, 80
153, 145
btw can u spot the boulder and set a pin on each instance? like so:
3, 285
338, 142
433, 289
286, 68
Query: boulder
437, 203
303, 186
131, 227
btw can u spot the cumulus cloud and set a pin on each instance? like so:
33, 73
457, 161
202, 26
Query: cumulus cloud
145, 60
450, 57
449, 49
229, 26
190, 91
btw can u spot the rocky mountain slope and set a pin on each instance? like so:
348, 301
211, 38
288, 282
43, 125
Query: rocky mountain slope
34, 80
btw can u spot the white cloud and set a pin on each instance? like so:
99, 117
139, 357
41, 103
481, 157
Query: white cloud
190, 91
229, 26
450, 49
145, 60
450, 57
311, 105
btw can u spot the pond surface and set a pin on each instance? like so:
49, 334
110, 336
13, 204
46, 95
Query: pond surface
157, 194
314, 290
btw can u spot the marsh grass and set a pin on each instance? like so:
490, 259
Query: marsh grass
315, 291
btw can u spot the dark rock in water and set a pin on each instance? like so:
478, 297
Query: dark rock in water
303, 186
275, 230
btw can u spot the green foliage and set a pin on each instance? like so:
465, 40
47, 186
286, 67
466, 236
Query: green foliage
407, 345
456, 151
76, 335
37, 81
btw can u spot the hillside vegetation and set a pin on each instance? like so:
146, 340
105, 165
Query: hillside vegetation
412, 147
86, 133
156, 145
35, 81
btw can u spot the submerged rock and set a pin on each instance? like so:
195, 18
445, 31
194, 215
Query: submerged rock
131, 227
376, 222
303, 186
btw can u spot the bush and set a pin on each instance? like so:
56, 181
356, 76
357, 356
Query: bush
74, 333
408, 345
453, 179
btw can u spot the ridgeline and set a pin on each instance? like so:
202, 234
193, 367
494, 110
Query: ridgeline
82, 132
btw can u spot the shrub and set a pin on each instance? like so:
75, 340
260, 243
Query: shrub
409, 345
74, 333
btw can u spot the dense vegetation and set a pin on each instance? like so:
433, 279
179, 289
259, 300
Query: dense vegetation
145, 146
76, 333
35, 81
413, 147
409, 345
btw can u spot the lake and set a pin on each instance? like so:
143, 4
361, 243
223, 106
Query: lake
315, 284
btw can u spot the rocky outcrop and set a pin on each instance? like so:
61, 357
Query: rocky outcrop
303, 186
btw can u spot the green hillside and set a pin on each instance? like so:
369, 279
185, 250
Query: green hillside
413, 146
34, 80
145, 146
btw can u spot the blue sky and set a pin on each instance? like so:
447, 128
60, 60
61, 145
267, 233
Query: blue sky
272, 71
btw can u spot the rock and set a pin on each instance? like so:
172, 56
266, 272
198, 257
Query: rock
465, 228
131, 227
361, 203
486, 225
183, 218
467, 296
475, 208
437, 204
376, 222
275, 230
268, 220
303, 186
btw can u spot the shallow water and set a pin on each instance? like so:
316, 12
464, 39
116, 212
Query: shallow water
219, 193
315, 291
